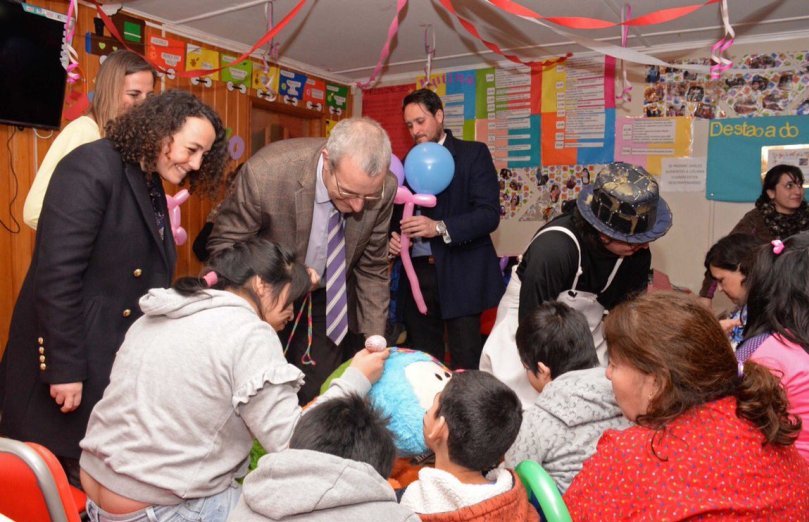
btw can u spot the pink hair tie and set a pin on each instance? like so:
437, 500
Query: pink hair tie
211, 279
777, 246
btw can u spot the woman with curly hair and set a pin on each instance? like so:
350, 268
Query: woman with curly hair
104, 240
123, 81
714, 438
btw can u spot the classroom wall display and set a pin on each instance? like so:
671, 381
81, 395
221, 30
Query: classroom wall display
197, 58
537, 194
647, 141
290, 86
166, 52
336, 97
735, 148
239, 74
458, 94
674, 92
578, 112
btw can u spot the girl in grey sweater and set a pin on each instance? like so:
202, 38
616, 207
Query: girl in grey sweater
197, 378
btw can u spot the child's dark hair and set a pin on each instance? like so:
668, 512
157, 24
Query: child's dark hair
557, 336
235, 267
778, 292
678, 340
483, 417
735, 252
348, 427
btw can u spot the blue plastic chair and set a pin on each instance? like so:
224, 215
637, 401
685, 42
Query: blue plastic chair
542, 490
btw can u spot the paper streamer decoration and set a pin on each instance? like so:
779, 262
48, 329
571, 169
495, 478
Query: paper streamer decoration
621, 53
71, 54
721, 63
494, 47
192, 74
383, 55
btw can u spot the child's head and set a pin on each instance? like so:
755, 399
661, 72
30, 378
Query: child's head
554, 339
778, 290
264, 272
729, 262
475, 419
348, 427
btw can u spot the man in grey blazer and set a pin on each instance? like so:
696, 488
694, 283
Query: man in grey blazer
285, 193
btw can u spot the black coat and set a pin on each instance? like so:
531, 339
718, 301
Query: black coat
467, 269
98, 250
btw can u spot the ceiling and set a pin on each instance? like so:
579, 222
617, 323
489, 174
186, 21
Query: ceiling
342, 39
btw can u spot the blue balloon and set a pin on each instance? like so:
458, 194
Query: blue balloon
429, 168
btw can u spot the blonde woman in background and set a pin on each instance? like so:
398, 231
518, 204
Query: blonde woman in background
124, 80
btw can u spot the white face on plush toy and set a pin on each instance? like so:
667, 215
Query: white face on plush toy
426, 380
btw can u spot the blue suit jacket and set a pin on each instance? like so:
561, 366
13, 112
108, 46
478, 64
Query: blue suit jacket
467, 269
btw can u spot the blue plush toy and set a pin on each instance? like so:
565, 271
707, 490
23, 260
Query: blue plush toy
405, 392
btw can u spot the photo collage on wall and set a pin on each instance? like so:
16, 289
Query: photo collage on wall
537, 194
676, 92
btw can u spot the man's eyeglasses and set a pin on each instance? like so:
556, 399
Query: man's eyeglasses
345, 194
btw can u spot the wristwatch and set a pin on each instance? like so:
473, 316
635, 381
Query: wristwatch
441, 230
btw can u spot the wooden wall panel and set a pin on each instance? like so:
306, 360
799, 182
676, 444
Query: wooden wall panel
23, 150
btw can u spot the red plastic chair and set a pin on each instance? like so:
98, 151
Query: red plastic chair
34, 487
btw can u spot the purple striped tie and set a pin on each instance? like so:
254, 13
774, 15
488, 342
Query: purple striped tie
336, 303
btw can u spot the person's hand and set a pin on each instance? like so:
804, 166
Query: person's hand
395, 244
314, 279
67, 395
419, 226
370, 363
729, 324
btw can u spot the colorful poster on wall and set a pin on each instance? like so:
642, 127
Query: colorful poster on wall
457, 91
578, 112
314, 94
336, 99
290, 86
509, 129
239, 74
200, 59
261, 78
735, 149
167, 53
645, 142
484, 94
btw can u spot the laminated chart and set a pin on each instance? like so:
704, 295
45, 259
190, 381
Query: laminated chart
646, 141
505, 121
578, 112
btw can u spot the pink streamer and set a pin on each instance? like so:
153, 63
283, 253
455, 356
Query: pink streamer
721, 63
627, 86
410, 200
72, 55
383, 56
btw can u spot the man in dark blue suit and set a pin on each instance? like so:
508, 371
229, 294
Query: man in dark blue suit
453, 255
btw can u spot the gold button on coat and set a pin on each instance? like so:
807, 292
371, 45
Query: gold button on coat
40, 340
137, 272
42, 358
43, 366
127, 312
41, 349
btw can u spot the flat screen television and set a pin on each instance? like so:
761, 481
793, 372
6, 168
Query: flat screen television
32, 78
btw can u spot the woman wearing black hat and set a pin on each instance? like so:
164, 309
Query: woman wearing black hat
592, 259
